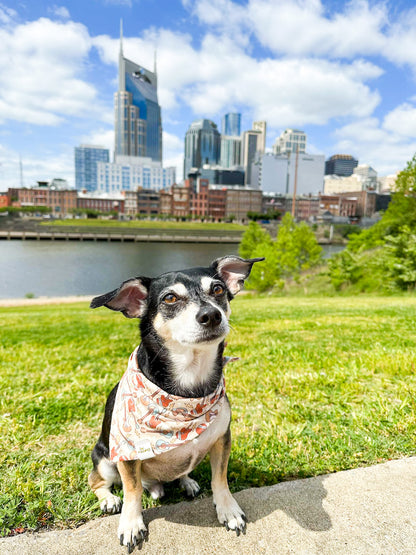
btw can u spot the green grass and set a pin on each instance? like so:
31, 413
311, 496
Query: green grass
323, 384
149, 224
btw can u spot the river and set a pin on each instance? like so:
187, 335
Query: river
55, 268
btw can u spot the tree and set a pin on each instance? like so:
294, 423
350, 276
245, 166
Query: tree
296, 247
400, 258
400, 212
254, 236
294, 250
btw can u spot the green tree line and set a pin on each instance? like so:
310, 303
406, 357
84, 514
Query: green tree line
383, 257
294, 250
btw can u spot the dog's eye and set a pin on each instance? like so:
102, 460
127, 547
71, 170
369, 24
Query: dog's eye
218, 289
170, 298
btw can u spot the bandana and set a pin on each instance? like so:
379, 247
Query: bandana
147, 421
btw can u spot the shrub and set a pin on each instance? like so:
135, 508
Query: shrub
294, 250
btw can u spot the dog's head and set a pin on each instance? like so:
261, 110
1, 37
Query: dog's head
189, 307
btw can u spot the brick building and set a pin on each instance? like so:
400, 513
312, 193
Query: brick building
217, 200
4, 200
199, 193
365, 202
148, 202
242, 200
306, 208
62, 202
100, 203
130, 203
175, 201
206, 201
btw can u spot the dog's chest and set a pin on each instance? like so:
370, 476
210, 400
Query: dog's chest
182, 460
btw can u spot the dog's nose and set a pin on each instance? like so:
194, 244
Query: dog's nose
209, 316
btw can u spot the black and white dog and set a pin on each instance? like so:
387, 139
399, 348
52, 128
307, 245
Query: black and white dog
170, 408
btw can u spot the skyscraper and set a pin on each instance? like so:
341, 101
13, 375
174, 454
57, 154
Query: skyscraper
230, 151
291, 140
250, 145
340, 164
261, 142
86, 158
202, 145
231, 125
138, 122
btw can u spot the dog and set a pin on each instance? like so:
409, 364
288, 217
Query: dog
170, 408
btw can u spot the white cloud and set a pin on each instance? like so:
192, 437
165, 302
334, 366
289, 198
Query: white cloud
402, 120
59, 11
127, 3
41, 68
221, 73
386, 150
173, 153
7, 15
302, 27
100, 137
34, 168
306, 28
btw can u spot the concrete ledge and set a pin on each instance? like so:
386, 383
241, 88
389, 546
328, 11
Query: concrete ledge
368, 511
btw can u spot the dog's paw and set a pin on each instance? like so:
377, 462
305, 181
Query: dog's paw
231, 515
190, 486
132, 533
111, 504
156, 490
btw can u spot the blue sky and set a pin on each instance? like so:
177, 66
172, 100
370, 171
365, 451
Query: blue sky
345, 72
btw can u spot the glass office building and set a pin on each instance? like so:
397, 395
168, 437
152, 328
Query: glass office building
231, 125
130, 173
86, 159
341, 164
138, 121
202, 145
230, 151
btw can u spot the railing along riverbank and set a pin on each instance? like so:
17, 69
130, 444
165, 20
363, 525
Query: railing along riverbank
118, 237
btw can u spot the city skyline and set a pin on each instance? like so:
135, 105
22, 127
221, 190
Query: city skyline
343, 72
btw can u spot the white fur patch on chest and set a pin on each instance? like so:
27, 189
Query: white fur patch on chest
192, 367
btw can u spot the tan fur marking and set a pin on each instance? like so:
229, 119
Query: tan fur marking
130, 472
219, 455
96, 482
162, 327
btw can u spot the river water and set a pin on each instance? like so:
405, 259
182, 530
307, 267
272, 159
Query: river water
54, 268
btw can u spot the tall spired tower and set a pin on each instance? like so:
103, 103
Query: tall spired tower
138, 121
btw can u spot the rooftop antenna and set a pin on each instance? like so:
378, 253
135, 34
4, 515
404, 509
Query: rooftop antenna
121, 64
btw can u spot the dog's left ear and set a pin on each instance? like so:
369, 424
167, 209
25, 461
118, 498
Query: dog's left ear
129, 298
234, 270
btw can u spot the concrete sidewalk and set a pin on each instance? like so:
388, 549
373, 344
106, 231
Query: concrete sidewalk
362, 511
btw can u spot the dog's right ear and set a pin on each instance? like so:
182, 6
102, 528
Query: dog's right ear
129, 298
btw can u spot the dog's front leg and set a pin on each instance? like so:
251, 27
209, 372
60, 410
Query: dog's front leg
131, 529
228, 511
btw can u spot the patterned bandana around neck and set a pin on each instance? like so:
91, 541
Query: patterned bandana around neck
147, 421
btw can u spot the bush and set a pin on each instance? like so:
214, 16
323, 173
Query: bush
294, 250
400, 258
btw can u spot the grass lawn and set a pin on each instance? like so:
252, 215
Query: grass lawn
323, 384
148, 224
